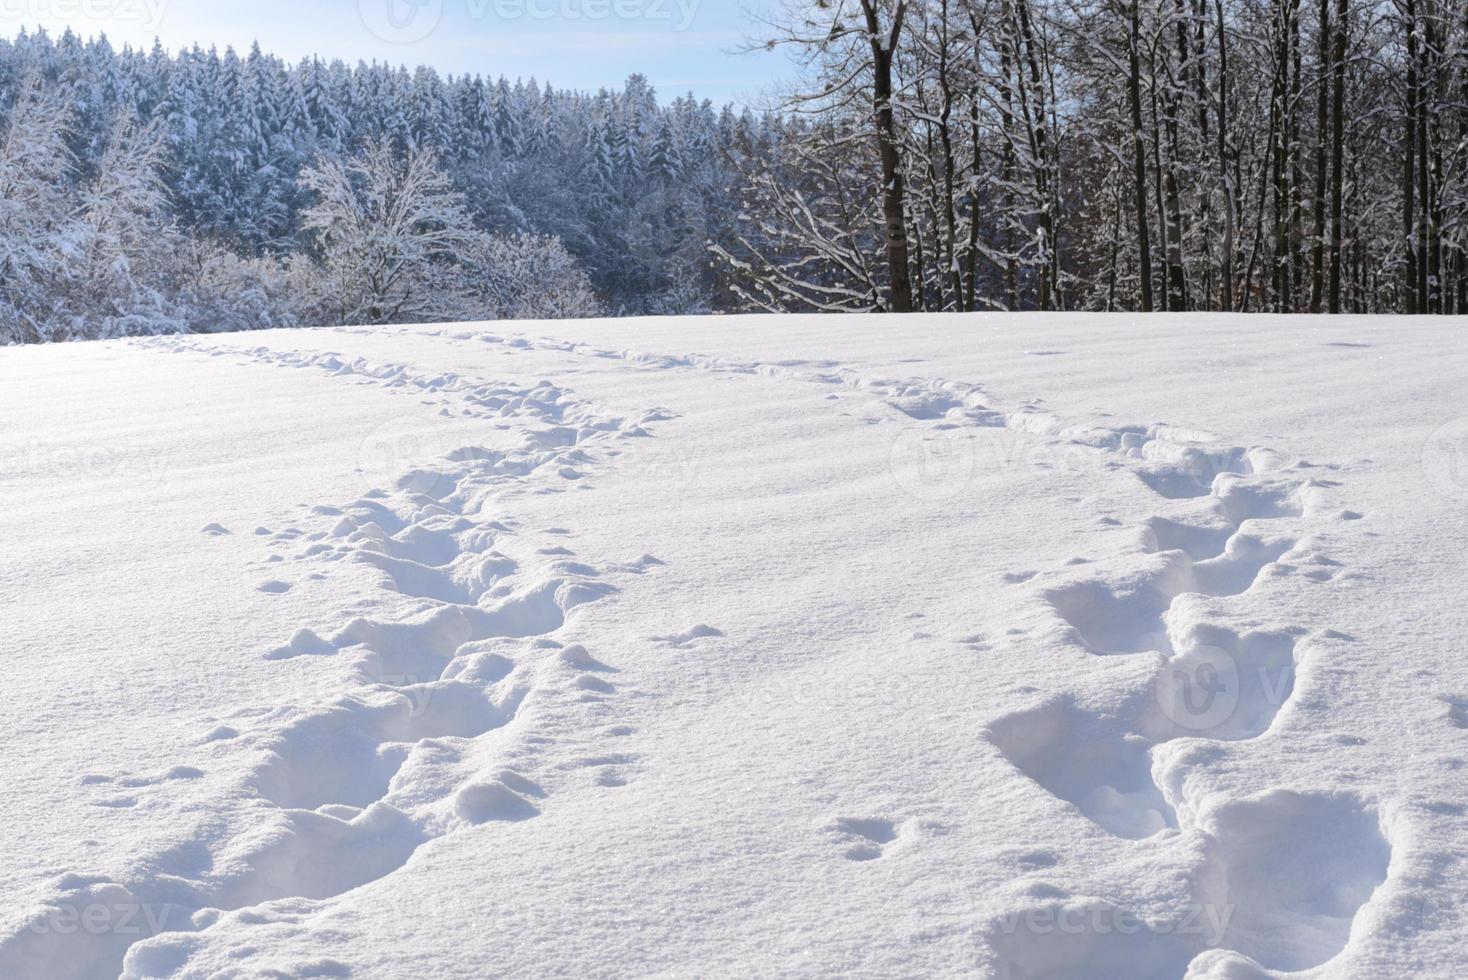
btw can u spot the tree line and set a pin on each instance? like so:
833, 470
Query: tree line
931, 155
1171, 155
204, 190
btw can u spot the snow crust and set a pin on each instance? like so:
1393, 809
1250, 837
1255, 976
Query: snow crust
1008, 646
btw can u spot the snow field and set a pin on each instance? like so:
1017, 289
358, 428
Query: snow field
1111, 708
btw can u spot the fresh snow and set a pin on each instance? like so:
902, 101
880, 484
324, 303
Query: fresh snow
1010, 646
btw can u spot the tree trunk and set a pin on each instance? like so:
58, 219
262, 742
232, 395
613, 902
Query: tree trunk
950, 196
1226, 271
1007, 173
1139, 162
1040, 147
1177, 283
1410, 294
1425, 279
1338, 151
894, 185
1279, 93
1322, 128
976, 135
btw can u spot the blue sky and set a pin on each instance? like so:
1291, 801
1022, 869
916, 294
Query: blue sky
681, 45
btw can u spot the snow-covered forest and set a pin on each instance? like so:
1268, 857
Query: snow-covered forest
1244, 155
205, 191
961, 155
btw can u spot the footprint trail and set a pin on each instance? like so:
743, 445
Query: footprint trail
443, 702
1228, 520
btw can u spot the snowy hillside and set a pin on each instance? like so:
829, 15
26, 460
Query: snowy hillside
1021, 647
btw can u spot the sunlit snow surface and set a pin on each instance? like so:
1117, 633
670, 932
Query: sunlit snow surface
1023, 647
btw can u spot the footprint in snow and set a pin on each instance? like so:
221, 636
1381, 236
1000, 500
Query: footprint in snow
644, 565
688, 637
216, 531
578, 658
275, 588
1036, 860
303, 644
1457, 713
483, 803
594, 685
129, 781
865, 838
